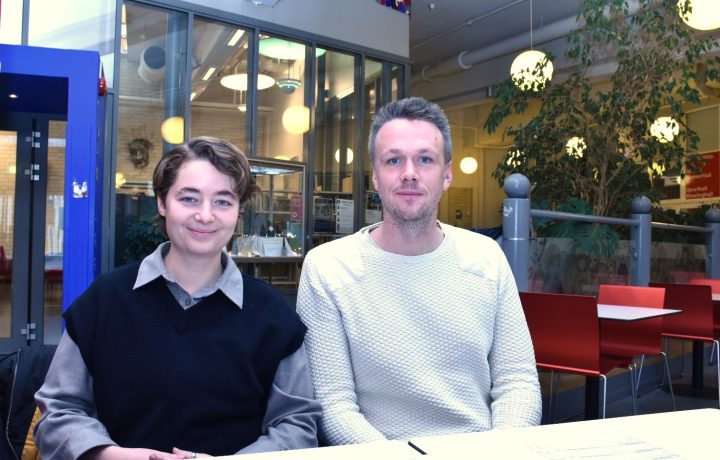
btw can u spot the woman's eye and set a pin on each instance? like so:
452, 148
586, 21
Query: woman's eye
188, 199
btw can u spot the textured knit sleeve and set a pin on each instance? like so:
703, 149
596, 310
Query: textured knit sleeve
329, 359
515, 387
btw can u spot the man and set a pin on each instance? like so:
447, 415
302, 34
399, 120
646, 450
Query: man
414, 326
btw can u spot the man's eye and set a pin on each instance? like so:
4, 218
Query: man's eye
393, 161
425, 160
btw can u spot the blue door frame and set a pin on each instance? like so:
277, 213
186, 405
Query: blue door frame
85, 114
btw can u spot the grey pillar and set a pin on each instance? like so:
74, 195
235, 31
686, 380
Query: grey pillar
640, 236
516, 227
712, 244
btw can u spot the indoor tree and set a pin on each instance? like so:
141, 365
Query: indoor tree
662, 64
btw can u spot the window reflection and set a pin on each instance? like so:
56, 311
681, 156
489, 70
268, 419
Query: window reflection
283, 114
335, 146
151, 119
219, 93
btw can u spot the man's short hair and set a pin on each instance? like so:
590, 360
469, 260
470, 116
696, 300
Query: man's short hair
412, 108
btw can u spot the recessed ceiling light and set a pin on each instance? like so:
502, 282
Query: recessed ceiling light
209, 73
13, 96
236, 37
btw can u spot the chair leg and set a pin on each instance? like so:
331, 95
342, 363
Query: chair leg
550, 398
631, 368
604, 393
667, 370
682, 361
716, 347
637, 382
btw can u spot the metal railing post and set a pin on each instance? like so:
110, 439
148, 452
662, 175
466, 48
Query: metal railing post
516, 227
712, 244
640, 236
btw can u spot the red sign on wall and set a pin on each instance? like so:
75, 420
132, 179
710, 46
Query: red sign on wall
706, 182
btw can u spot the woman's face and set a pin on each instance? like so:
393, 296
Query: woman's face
200, 210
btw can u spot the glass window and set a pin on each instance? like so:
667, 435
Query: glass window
283, 114
382, 80
11, 22
75, 24
336, 142
151, 120
218, 94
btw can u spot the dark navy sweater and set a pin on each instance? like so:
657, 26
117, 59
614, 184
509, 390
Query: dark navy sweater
164, 377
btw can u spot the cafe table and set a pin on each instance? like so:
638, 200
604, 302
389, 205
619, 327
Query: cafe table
379, 450
607, 312
690, 434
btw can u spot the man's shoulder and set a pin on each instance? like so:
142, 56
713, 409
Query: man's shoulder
336, 262
475, 252
338, 250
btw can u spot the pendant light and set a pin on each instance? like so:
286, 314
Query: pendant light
700, 14
531, 70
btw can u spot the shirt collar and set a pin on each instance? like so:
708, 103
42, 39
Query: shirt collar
230, 281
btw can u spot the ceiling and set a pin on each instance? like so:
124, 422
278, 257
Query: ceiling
441, 29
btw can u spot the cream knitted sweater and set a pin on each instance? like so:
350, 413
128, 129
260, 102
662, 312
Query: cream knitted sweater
404, 346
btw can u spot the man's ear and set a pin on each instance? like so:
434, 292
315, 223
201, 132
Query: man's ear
448, 176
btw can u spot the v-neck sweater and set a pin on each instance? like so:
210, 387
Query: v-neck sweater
165, 376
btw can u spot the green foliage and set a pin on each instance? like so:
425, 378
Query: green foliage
657, 59
598, 240
143, 237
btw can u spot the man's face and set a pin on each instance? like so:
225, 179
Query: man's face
409, 171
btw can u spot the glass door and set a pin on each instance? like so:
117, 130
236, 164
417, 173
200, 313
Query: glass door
31, 202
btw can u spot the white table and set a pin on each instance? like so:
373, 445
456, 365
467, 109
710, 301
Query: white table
396, 450
716, 297
685, 434
628, 313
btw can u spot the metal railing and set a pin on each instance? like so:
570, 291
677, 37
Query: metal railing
517, 215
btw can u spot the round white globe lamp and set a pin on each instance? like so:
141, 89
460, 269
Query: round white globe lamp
525, 73
468, 165
173, 130
348, 154
575, 147
700, 14
664, 129
296, 119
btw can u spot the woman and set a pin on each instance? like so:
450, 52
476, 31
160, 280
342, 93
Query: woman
181, 353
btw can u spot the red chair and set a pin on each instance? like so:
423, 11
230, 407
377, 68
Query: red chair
696, 321
715, 286
627, 340
565, 333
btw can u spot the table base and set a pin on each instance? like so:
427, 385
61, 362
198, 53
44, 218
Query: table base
687, 390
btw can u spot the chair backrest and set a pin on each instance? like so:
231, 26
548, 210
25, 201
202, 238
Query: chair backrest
634, 338
714, 284
564, 331
696, 320
633, 296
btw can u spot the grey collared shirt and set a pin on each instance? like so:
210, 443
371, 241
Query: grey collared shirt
69, 425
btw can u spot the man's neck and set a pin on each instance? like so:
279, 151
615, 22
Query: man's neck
408, 239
